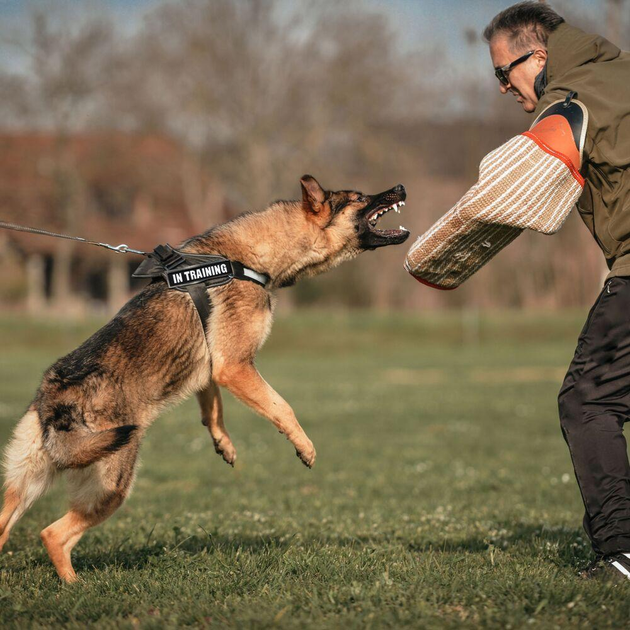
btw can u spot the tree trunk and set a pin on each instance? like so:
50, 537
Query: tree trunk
61, 278
117, 283
35, 284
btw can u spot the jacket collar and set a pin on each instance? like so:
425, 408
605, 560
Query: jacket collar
540, 83
570, 47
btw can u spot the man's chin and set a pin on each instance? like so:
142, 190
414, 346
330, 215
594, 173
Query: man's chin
529, 107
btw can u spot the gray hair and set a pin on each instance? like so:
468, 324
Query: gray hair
524, 24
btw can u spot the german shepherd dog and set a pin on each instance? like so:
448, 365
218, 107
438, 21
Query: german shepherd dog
95, 404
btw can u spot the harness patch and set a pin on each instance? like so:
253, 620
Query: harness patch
201, 273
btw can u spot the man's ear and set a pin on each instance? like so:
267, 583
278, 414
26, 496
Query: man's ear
541, 57
313, 195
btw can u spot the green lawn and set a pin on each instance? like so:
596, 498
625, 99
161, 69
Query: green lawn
443, 494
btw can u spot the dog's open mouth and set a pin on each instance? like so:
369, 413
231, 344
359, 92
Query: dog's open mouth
375, 232
375, 216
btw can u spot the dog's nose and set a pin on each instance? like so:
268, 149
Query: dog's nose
399, 189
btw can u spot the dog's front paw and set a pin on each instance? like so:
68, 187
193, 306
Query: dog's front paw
224, 447
306, 453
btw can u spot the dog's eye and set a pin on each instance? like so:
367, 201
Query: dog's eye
361, 199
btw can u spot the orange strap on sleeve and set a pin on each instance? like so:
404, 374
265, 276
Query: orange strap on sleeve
555, 136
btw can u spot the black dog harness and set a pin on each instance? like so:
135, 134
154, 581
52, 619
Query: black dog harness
195, 273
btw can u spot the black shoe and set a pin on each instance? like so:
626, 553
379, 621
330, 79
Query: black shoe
615, 567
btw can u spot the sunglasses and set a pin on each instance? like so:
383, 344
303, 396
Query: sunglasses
502, 73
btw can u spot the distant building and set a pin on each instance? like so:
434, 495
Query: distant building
112, 188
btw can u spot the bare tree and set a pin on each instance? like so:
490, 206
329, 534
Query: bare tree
68, 65
258, 92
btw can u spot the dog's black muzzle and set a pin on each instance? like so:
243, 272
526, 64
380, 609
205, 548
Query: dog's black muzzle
369, 236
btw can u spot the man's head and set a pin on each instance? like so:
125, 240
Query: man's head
520, 34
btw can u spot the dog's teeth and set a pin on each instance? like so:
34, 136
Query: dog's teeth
403, 228
402, 203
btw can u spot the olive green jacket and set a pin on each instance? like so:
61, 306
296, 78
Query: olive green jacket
600, 74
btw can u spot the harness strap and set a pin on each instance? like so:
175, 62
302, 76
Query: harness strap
244, 273
199, 295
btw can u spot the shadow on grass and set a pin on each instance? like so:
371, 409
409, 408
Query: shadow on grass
570, 546
566, 547
141, 556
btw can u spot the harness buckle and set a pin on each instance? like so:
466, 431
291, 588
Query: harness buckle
168, 257
570, 96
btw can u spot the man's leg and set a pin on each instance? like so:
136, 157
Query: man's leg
594, 404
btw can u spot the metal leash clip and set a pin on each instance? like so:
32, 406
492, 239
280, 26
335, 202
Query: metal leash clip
122, 249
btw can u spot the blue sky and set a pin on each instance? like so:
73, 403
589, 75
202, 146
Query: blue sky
432, 24
420, 18
416, 19
436, 21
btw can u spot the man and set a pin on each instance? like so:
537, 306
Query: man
539, 59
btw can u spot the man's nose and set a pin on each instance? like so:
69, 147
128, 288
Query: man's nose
504, 89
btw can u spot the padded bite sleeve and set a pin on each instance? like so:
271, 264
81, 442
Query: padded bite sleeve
530, 182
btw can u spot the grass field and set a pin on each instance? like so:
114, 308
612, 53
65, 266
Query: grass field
443, 494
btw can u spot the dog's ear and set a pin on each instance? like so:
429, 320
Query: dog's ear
313, 195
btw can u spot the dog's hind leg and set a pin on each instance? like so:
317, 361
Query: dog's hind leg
96, 492
10, 514
212, 417
60, 537
28, 472
246, 383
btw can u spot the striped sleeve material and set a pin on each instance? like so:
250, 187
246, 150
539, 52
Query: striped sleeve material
524, 184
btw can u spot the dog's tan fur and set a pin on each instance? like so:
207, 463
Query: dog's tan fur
95, 404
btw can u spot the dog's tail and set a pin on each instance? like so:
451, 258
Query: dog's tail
39, 450
78, 451
29, 472
72, 445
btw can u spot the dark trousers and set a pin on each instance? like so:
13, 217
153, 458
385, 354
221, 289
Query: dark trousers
594, 405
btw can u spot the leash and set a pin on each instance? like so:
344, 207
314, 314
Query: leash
119, 249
